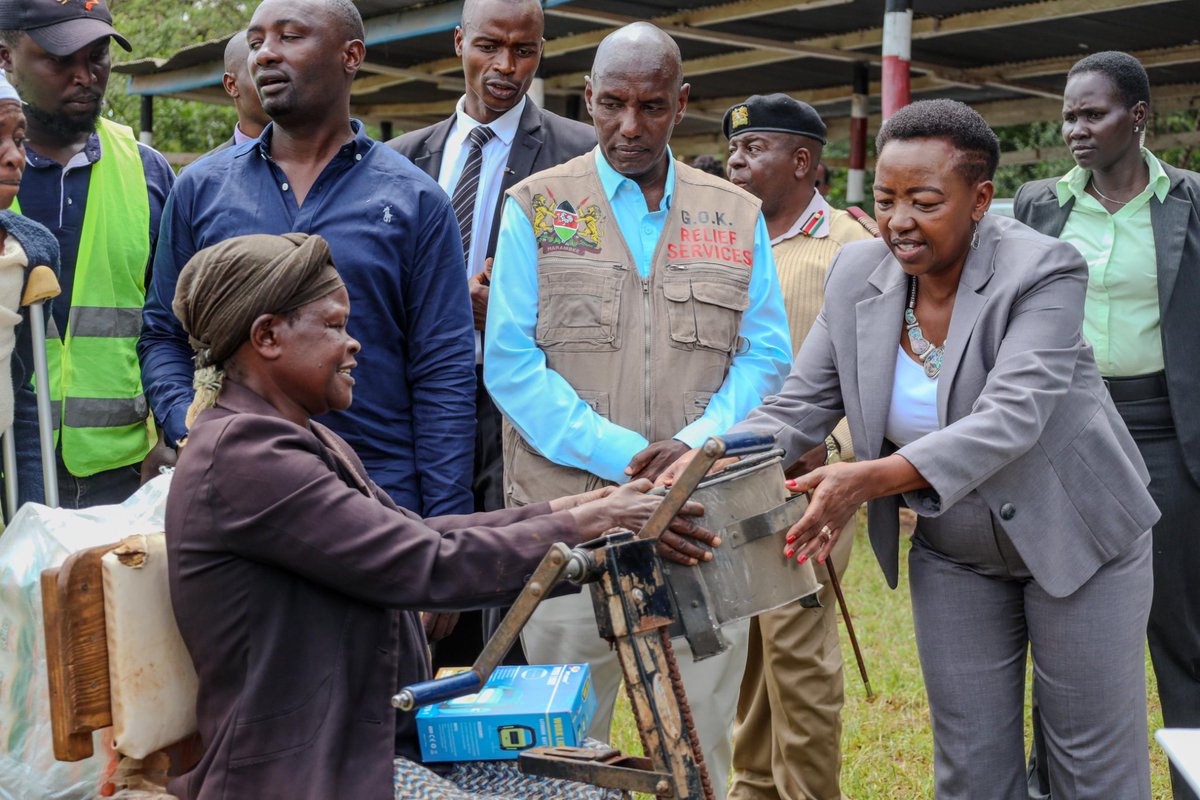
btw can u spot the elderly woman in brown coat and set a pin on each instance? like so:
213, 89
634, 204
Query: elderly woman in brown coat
295, 580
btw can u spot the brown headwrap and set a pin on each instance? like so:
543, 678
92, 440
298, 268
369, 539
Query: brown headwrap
224, 288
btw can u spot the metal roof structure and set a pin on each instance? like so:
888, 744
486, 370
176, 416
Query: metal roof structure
1007, 58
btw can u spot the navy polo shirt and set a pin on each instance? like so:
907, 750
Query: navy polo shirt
56, 196
395, 242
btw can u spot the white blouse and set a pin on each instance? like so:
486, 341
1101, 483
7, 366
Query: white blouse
913, 410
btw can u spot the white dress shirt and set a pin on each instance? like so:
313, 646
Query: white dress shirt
491, 178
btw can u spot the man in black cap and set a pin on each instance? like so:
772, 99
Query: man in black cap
101, 193
786, 738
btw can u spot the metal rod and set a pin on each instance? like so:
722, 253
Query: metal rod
11, 492
837, 589
41, 378
549, 573
712, 449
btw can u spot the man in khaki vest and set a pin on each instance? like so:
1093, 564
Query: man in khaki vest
788, 726
634, 312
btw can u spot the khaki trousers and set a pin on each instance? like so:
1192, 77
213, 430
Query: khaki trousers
787, 738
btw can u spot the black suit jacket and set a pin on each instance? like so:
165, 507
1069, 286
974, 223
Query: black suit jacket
1176, 224
543, 140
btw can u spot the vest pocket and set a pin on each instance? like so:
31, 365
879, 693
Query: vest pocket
704, 312
578, 310
694, 405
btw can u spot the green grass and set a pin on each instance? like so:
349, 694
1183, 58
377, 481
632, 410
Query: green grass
887, 746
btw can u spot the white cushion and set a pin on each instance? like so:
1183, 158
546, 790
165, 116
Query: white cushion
153, 681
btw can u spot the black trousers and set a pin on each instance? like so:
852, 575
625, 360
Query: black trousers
1174, 628
474, 628
1173, 631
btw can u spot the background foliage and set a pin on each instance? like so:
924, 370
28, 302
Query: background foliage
158, 28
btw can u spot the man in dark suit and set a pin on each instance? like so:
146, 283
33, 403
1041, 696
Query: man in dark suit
496, 138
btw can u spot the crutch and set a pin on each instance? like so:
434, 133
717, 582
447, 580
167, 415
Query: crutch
41, 286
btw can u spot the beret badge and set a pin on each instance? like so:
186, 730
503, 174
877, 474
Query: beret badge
739, 118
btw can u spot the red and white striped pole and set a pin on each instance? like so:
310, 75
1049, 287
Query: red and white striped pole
859, 107
897, 52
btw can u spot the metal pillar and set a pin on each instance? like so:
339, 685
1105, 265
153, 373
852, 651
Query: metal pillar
897, 52
856, 178
146, 136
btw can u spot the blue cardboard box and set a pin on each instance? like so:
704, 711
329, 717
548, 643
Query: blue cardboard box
518, 708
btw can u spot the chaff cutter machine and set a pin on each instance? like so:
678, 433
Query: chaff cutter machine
641, 602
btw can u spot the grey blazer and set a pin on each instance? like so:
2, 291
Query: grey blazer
543, 140
1176, 224
1026, 421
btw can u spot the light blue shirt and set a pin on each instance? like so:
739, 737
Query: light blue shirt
544, 407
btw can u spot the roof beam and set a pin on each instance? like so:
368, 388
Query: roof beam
923, 28
1160, 57
381, 76
178, 81
699, 17
988, 19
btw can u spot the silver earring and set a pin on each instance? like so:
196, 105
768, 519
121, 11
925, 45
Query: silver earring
975, 237
1136, 129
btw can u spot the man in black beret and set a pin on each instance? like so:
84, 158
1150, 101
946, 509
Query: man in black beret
786, 738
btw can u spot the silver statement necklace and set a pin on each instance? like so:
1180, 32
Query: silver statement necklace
931, 357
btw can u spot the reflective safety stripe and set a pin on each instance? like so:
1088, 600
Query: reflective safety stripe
104, 412
104, 421
111, 323
56, 413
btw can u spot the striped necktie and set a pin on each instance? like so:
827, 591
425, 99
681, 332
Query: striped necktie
468, 185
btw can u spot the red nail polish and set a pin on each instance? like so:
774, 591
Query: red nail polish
802, 559
790, 483
791, 538
788, 553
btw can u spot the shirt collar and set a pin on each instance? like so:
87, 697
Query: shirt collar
612, 181
504, 126
90, 154
1074, 183
358, 147
239, 137
813, 222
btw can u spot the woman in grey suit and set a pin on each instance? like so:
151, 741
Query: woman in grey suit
952, 346
1136, 220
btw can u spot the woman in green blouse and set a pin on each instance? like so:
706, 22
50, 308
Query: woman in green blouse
1136, 221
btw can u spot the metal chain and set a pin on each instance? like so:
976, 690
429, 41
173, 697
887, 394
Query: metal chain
685, 713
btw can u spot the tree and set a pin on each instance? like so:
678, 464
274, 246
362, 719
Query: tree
159, 29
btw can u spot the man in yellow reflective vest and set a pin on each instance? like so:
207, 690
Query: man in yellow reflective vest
101, 193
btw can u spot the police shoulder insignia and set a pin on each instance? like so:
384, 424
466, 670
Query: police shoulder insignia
740, 117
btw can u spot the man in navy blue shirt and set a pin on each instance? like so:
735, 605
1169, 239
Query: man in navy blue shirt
101, 193
394, 239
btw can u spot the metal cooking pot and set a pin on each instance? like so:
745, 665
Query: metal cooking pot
750, 508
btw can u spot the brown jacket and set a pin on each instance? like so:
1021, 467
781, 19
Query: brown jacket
286, 563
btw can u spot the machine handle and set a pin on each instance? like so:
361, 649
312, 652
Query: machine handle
559, 561
427, 693
744, 444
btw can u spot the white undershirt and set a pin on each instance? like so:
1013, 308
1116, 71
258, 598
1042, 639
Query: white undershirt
913, 410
